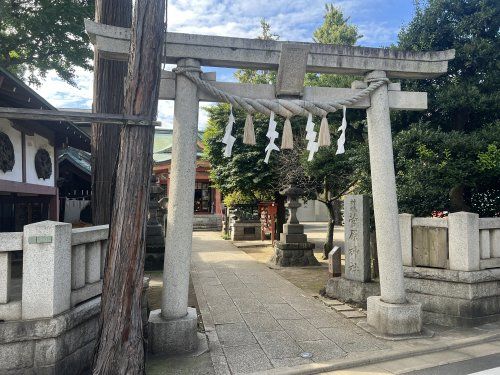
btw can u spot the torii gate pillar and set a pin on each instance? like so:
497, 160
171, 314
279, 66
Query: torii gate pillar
173, 329
390, 313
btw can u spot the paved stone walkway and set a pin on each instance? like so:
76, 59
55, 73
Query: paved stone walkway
256, 320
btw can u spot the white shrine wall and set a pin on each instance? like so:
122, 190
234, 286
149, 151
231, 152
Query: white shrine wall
33, 144
312, 210
15, 137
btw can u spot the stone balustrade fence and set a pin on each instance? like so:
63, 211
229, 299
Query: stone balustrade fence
461, 242
61, 268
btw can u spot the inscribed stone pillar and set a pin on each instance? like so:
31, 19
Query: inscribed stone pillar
178, 239
357, 238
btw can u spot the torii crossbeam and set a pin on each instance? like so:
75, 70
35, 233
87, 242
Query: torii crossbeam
388, 314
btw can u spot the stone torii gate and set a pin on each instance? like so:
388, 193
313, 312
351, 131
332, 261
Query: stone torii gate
173, 328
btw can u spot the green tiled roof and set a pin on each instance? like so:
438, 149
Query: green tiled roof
79, 158
162, 145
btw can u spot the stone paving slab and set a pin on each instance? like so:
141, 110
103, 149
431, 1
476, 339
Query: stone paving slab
234, 334
283, 311
301, 330
353, 314
278, 344
261, 321
322, 350
247, 359
342, 308
248, 305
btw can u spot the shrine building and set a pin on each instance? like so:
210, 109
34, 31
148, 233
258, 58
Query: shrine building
29, 170
207, 199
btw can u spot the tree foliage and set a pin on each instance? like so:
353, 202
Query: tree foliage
446, 157
336, 28
245, 171
40, 35
467, 97
444, 171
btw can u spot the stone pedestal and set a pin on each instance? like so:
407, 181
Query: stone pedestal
173, 336
393, 319
245, 231
294, 254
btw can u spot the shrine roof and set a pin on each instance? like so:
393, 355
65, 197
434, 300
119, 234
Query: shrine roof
16, 94
80, 159
162, 145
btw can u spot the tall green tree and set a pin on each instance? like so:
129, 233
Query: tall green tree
468, 96
336, 28
39, 35
259, 76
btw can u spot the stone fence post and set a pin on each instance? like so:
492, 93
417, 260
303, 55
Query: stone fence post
405, 229
463, 239
46, 289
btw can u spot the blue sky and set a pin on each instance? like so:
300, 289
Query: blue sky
378, 21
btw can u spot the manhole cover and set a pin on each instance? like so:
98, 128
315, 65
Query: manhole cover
306, 355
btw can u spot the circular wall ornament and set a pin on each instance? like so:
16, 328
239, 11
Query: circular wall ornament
7, 157
43, 164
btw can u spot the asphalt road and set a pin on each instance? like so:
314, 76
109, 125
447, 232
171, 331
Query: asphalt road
488, 365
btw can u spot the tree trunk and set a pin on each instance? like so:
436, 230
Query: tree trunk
120, 345
280, 214
457, 199
109, 83
330, 205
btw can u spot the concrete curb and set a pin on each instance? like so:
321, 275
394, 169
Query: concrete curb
378, 357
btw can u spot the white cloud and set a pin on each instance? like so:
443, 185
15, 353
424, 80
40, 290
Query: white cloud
378, 34
62, 95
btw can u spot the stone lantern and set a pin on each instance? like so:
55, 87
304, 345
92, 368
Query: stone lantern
155, 243
293, 249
